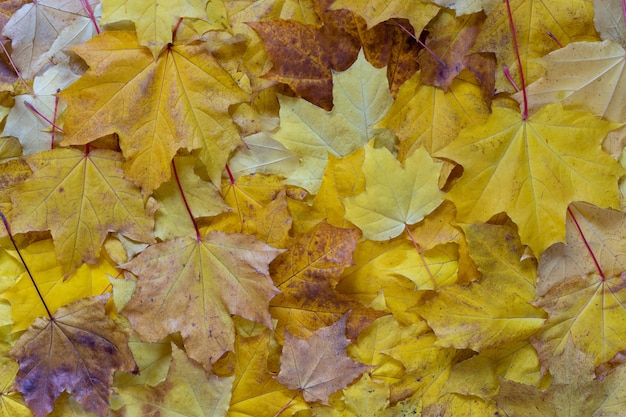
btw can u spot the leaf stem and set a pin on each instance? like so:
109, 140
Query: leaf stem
54, 119
507, 74
40, 114
519, 61
19, 75
175, 31
420, 43
419, 252
231, 178
182, 193
89, 10
582, 235
288, 403
6, 226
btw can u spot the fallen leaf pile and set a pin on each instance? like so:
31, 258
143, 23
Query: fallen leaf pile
312, 208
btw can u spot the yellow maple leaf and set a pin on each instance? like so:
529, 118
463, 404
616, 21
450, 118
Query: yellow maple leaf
342, 178
80, 197
186, 391
387, 292
495, 310
533, 169
480, 375
153, 20
255, 390
11, 402
423, 114
48, 274
156, 106
583, 287
203, 199
259, 208
395, 196
361, 99
419, 13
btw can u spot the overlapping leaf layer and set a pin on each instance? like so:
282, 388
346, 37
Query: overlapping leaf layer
312, 208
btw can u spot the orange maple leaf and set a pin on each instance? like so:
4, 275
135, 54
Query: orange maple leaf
77, 351
179, 100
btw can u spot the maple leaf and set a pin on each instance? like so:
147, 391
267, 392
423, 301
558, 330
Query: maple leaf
363, 398
165, 105
532, 170
172, 218
372, 348
318, 365
481, 375
534, 22
419, 13
426, 365
302, 58
306, 274
388, 292
361, 100
597, 84
574, 387
427, 115
42, 30
608, 18
79, 197
395, 196
594, 244
186, 391
153, 20
199, 284
582, 287
342, 178
259, 208
469, 6
450, 39
77, 351
11, 402
48, 274
255, 390
494, 310
23, 123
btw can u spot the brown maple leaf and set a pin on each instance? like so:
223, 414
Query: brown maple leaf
76, 351
306, 275
318, 365
194, 286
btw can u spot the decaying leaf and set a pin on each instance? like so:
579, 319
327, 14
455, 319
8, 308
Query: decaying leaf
318, 365
76, 351
198, 284
80, 197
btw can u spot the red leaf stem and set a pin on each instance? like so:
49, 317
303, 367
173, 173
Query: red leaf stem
6, 226
582, 235
182, 194
519, 60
